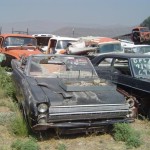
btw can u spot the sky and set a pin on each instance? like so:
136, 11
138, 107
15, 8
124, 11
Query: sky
81, 12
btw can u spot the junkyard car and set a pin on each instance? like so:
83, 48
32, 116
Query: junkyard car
64, 92
14, 46
142, 49
58, 44
140, 35
131, 73
42, 41
105, 45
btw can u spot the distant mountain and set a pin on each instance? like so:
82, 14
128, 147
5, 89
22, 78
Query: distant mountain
65, 29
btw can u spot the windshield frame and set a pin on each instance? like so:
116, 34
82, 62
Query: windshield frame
66, 67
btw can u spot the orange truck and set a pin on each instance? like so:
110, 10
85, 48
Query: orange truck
140, 35
14, 46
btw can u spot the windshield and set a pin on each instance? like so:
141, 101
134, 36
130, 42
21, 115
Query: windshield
62, 67
141, 67
19, 41
107, 48
63, 44
144, 29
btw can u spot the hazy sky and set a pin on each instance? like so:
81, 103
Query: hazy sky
101, 12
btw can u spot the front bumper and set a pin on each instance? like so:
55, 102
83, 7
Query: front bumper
81, 124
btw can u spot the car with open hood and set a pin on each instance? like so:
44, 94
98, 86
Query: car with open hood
64, 92
14, 46
131, 73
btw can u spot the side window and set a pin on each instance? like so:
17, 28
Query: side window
106, 62
122, 65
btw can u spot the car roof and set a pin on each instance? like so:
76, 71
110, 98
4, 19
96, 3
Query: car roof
102, 40
133, 46
124, 55
42, 35
15, 35
63, 38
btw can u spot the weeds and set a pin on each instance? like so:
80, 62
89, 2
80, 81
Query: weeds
124, 132
6, 82
25, 145
18, 126
61, 147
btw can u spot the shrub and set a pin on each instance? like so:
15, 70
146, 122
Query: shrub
124, 132
6, 82
17, 145
25, 145
61, 147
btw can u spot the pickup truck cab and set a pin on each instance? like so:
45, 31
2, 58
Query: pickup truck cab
14, 46
58, 45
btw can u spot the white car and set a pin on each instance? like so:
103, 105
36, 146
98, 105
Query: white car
58, 44
42, 40
142, 49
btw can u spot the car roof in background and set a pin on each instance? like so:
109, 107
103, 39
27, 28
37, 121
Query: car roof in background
64, 38
124, 55
133, 46
16, 35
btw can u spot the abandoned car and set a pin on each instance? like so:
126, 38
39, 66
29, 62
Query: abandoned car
65, 92
140, 48
42, 41
14, 46
140, 35
131, 73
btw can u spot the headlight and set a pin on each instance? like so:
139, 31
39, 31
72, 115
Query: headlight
42, 108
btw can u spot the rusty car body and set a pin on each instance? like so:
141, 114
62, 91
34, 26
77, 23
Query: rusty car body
131, 73
64, 92
141, 35
14, 46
